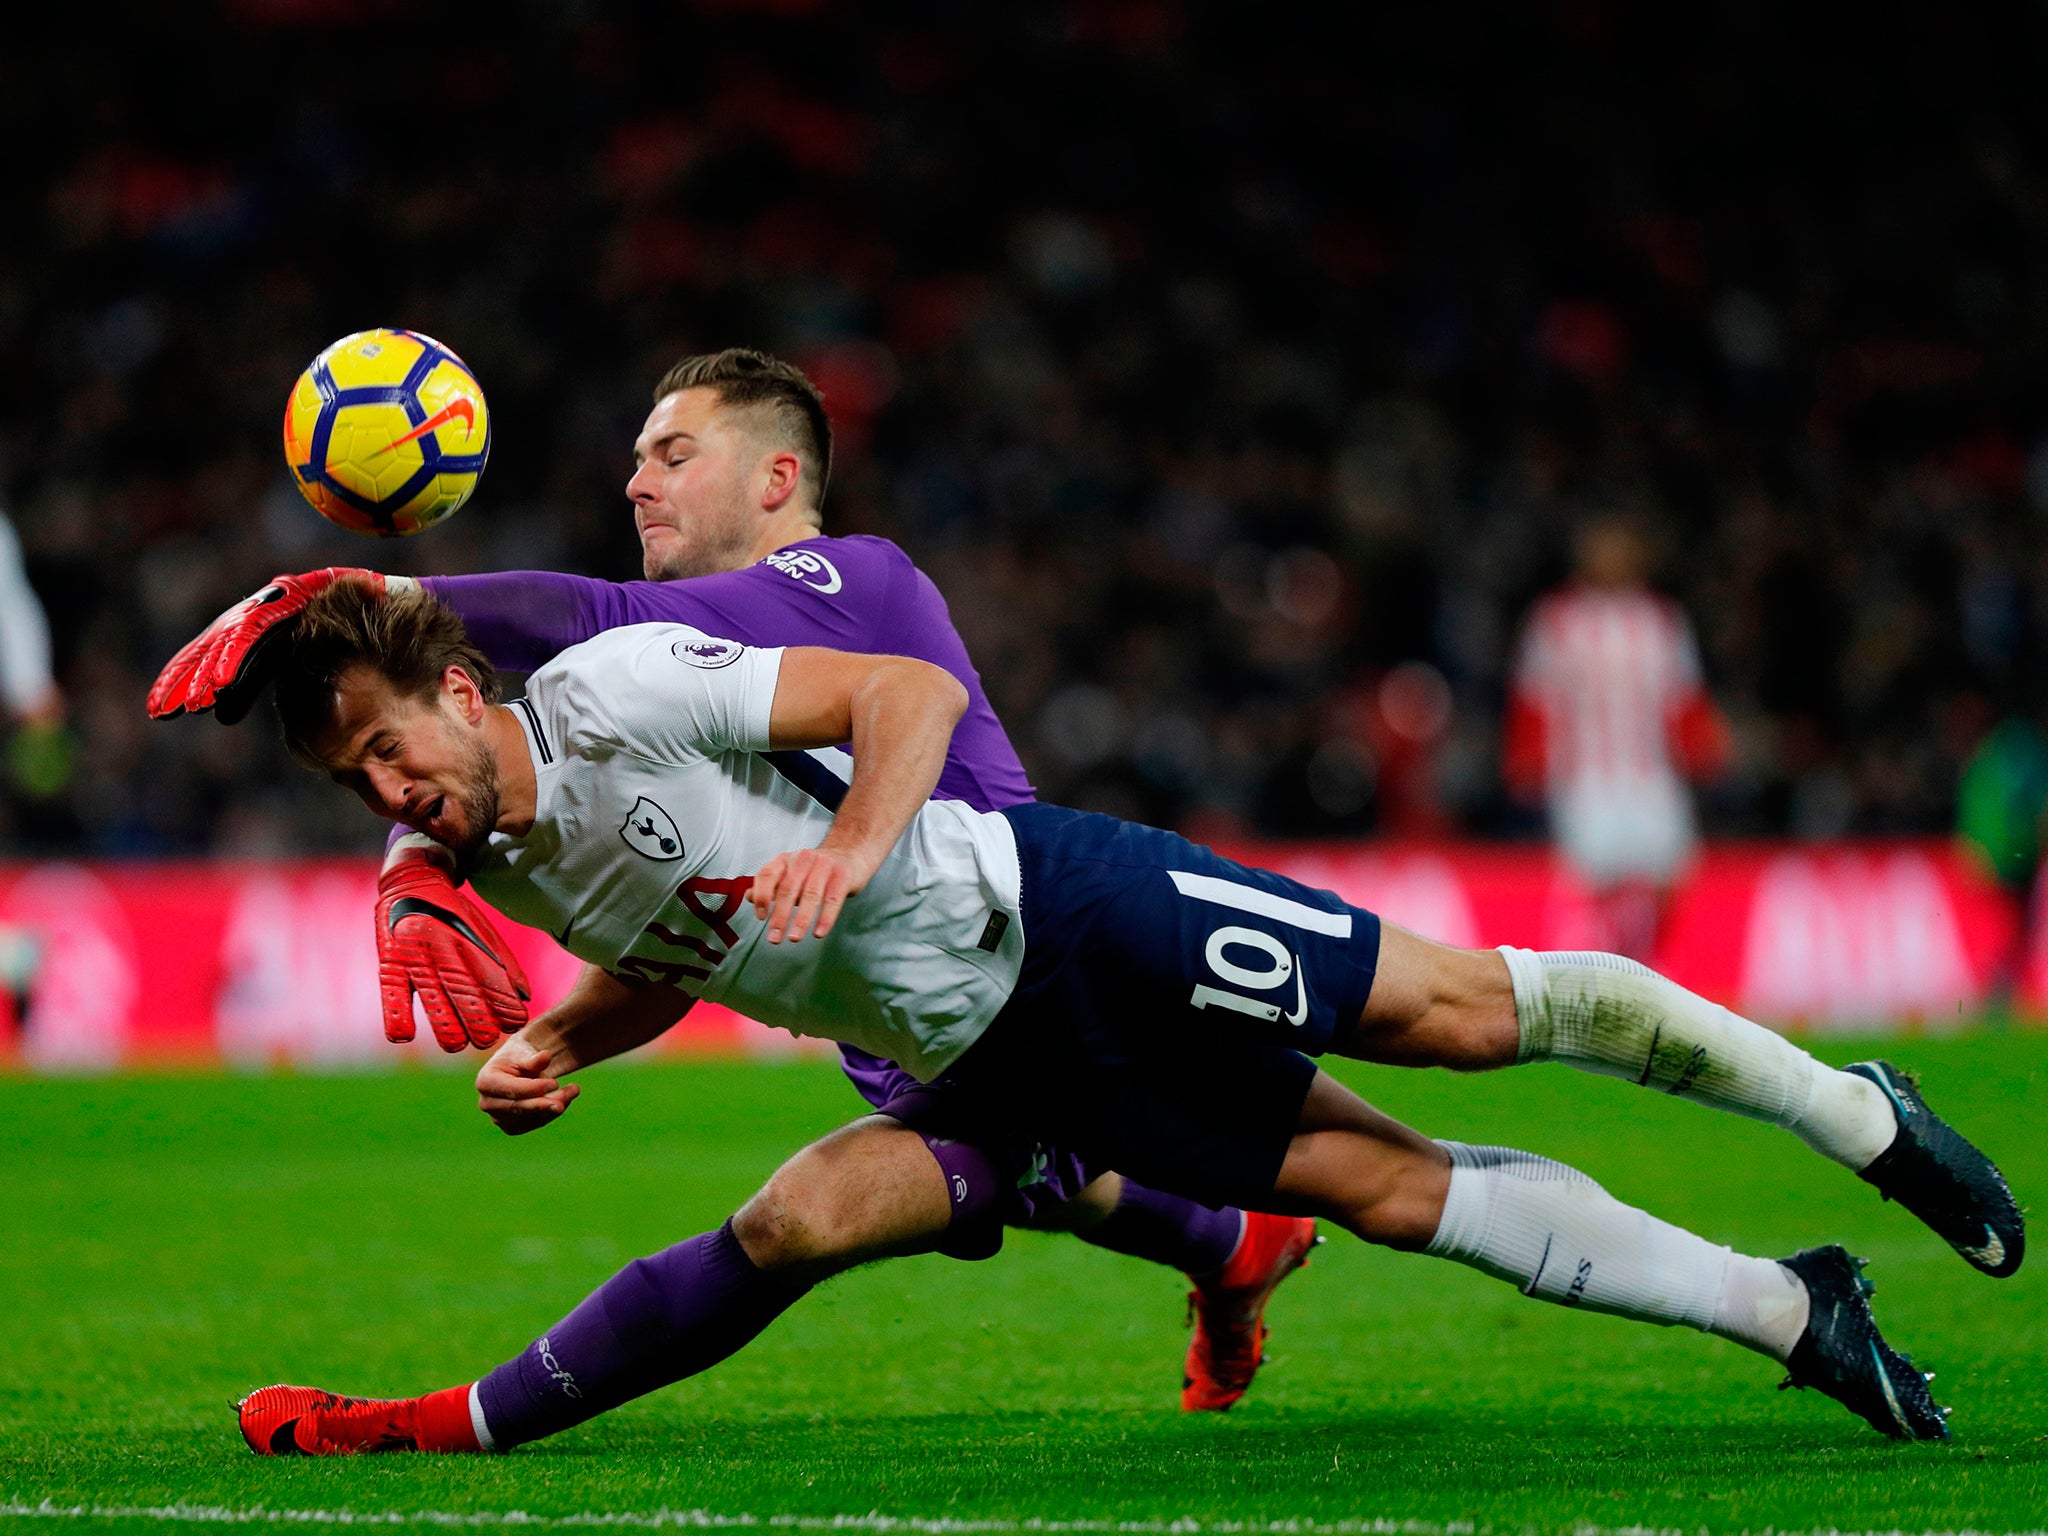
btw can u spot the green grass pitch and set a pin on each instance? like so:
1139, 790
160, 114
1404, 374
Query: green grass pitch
169, 1242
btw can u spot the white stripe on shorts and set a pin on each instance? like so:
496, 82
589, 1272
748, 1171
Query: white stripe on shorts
1249, 898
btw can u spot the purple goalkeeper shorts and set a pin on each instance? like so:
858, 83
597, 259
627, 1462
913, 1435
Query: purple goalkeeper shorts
993, 1181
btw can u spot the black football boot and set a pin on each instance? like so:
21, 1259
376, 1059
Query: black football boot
1937, 1175
1842, 1354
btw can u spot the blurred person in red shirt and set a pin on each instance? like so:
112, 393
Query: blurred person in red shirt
1608, 717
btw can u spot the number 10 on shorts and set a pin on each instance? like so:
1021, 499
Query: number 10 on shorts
1278, 964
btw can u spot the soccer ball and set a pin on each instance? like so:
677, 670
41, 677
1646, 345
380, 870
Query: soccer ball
386, 432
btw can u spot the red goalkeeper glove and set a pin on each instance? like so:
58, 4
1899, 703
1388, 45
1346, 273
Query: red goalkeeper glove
433, 940
233, 657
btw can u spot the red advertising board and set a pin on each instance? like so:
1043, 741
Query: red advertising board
258, 964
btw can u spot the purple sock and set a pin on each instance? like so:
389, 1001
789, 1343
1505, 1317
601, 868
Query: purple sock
658, 1320
1168, 1230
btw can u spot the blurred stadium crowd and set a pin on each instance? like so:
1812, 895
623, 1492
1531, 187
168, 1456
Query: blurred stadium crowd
1239, 379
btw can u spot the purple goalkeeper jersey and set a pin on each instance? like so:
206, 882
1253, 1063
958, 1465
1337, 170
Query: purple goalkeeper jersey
858, 593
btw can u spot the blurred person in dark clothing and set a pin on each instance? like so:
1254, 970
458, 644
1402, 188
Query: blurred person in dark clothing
2001, 814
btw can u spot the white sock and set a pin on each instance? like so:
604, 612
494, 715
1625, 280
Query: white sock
478, 1424
1606, 1014
1560, 1237
1763, 1306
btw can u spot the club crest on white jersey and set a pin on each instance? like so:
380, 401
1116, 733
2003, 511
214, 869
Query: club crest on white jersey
808, 567
651, 832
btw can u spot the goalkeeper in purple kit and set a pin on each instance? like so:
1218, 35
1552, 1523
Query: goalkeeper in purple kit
730, 539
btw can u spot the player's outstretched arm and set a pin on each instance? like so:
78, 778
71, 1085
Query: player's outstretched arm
225, 666
602, 1016
898, 715
522, 620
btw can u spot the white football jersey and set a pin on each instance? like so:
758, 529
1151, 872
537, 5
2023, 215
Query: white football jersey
1609, 670
659, 801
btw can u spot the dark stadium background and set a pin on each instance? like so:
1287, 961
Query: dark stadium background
1240, 372
1217, 361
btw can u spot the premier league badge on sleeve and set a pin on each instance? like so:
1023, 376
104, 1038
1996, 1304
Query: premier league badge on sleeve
706, 652
651, 832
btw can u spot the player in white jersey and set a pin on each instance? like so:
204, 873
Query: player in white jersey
660, 799
1071, 976
1607, 717
27, 687
30, 697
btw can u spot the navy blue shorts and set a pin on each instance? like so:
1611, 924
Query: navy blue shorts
1169, 1002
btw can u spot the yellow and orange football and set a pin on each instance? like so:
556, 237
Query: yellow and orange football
387, 432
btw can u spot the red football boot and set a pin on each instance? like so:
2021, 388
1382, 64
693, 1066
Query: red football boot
1228, 1311
305, 1421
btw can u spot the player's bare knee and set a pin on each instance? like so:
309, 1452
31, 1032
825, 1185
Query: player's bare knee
1436, 1005
1409, 1211
1375, 1177
777, 1228
1401, 1205
1475, 1009
869, 1190
803, 1216
761, 1233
